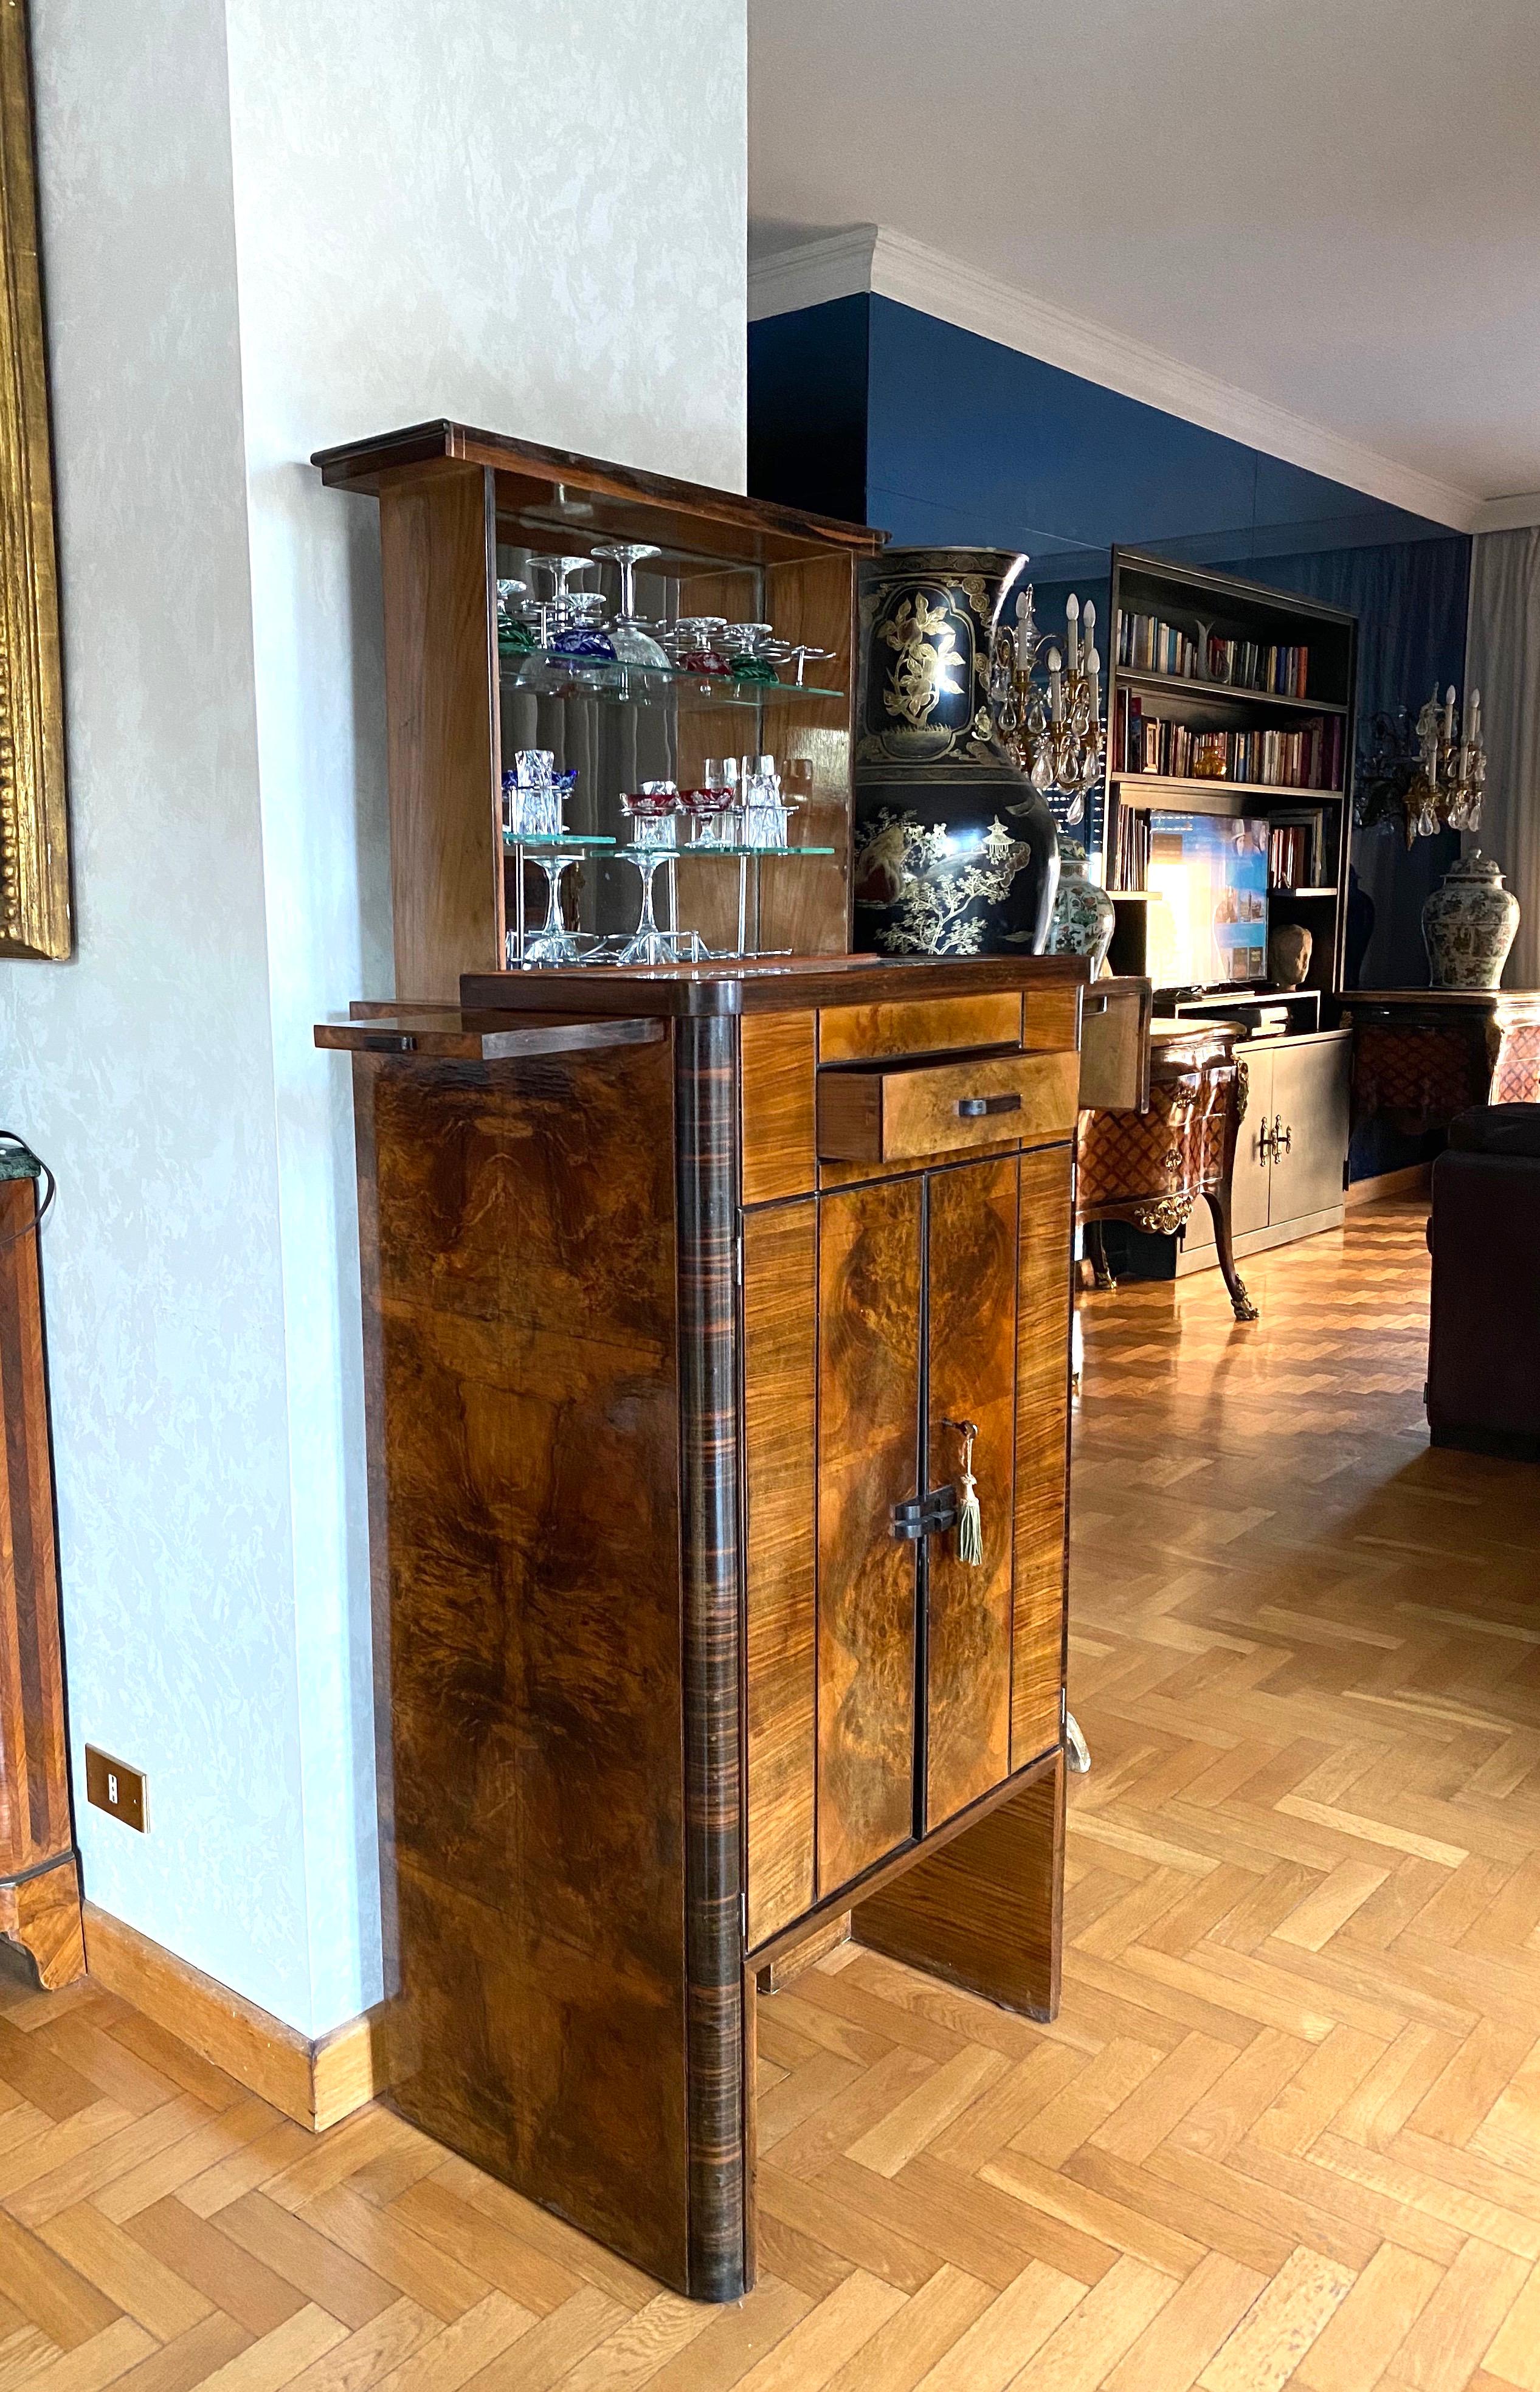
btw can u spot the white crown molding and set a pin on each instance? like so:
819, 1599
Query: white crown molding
836, 268
894, 265
1509, 515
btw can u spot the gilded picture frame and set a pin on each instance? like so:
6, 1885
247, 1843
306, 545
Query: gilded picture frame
35, 838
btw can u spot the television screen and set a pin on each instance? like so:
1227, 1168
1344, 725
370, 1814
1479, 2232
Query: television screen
1207, 878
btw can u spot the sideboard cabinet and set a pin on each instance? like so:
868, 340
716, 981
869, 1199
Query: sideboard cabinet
693, 1298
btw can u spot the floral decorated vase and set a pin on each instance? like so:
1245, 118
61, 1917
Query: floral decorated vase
1084, 916
1470, 924
955, 853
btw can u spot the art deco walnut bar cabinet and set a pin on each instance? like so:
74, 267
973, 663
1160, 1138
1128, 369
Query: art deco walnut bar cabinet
678, 1286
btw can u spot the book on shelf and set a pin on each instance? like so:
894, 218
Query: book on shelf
1131, 868
1310, 757
1296, 853
1146, 644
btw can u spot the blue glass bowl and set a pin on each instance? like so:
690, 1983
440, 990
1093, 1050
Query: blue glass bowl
580, 646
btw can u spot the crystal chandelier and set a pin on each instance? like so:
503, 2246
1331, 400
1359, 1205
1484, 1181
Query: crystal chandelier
1051, 727
1430, 779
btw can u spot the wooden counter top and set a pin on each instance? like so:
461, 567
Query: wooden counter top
792, 983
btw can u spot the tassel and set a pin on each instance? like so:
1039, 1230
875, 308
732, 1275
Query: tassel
970, 1520
970, 1524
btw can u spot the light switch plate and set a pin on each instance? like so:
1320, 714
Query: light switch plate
113, 1786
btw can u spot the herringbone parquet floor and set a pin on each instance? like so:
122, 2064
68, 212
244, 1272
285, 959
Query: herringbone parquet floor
1286, 2129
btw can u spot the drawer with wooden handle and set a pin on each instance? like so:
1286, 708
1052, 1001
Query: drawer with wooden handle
891, 1116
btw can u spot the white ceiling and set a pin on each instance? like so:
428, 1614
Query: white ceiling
1333, 206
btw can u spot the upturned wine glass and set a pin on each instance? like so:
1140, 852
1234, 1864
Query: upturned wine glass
653, 812
630, 637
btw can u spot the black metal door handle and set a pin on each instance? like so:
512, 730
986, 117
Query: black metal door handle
926, 1515
974, 1108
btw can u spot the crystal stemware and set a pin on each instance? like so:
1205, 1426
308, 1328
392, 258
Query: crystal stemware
709, 806
580, 641
749, 656
632, 641
553, 942
535, 795
515, 636
653, 812
765, 810
701, 645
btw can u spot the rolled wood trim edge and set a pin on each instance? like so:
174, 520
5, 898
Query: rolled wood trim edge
314, 2083
705, 1105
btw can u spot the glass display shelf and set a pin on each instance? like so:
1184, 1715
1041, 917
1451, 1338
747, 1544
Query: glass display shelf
542, 676
708, 848
545, 841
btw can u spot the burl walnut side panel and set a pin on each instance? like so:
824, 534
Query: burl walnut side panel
527, 1541
39, 1876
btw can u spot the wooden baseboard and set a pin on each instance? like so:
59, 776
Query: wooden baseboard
1417, 1179
314, 2083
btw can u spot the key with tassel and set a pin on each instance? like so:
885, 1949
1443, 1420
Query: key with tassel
970, 1519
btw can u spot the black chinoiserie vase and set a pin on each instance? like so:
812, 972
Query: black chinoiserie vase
955, 853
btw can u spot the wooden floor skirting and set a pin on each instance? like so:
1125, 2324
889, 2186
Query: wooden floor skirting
1417, 1179
316, 2084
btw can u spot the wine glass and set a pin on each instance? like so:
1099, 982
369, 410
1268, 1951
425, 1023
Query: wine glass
709, 806
553, 942
633, 643
653, 813
748, 656
702, 642
580, 641
559, 609
515, 636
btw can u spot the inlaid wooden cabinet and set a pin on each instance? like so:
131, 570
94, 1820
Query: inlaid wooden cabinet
890, 1682
686, 1656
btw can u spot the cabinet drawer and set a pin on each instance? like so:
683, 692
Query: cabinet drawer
850, 1034
946, 1108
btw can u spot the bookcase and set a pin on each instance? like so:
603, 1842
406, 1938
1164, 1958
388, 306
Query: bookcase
1230, 699
1227, 698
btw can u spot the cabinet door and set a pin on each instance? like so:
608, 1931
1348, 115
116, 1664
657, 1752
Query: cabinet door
868, 1297
1253, 1171
971, 1339
1310, 1101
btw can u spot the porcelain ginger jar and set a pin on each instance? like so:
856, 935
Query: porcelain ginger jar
1084, 916
1470, 924
955, 853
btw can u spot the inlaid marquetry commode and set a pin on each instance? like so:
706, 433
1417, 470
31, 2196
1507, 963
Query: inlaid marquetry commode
690, 1297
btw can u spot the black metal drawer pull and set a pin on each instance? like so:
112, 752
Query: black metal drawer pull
974, 1107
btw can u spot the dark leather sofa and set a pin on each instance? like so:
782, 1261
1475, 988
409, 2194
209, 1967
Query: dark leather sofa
1484, 1355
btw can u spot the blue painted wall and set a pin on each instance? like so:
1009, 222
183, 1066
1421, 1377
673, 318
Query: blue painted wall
867, 409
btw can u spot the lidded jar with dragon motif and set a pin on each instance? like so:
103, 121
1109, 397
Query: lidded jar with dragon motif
955, 853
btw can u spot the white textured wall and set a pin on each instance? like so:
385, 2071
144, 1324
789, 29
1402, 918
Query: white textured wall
267, 229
